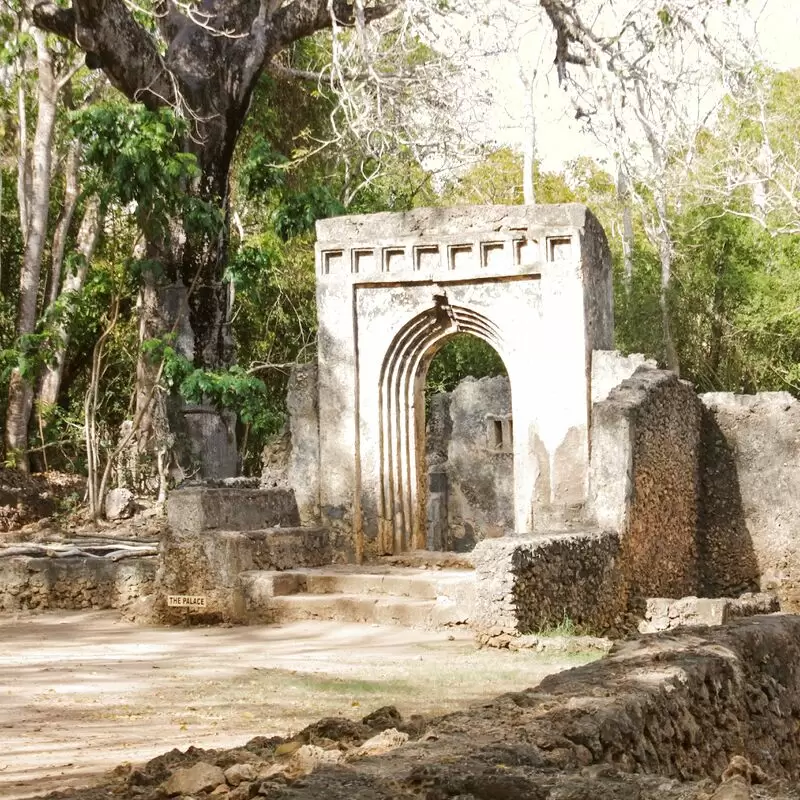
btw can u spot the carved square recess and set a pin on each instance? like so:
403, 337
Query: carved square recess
500, 434
394, 259
363, 261
461, 256
559, 248
492, 254
526, 251
426, 257
332, 261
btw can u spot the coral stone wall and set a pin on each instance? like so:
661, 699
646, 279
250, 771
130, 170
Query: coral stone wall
645, 480
637, 725
526, 584
750, 521
39, 584
471, 464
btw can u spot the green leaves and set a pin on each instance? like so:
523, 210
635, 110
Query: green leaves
136, 158
462, 356
297, 213
232, 389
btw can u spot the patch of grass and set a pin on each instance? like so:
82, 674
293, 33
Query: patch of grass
566, 627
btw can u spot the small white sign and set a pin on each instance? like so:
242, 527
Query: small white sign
186, 600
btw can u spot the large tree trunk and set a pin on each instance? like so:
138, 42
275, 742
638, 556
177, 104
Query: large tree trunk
20, 394
189, 301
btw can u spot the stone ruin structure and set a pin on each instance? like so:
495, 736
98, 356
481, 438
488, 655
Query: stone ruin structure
584, 485
535, 283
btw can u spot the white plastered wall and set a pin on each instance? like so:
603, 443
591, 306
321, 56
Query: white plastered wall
391, 288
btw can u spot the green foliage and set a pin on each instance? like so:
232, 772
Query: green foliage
297, 213
496, 178
565, 627
232, 389
136, 156
463, 355
30, 352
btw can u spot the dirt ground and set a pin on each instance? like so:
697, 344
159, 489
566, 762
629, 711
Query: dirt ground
83, 692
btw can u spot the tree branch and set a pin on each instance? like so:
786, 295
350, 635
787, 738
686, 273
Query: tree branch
114, 41
50, 17
301, 18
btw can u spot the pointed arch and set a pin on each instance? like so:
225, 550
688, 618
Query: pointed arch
402, 489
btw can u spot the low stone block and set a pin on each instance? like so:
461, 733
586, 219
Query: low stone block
205, 508
524, 584
201, 777
211, 564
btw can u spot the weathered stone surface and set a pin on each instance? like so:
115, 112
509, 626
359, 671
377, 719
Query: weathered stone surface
292, 458
383, 742
663, 613
237, 773
310, 757
200, 777
645, 480
473, 475
750, 522
214, 564
524, 584
212, 435
275, 461
119, 504
610, 368
390, 288
383, 718
73, 583
203, 508
302, 403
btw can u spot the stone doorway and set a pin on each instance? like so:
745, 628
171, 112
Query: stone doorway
468, 450
534, 283
402, 444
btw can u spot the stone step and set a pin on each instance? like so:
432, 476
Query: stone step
411, 583
414, 598
371, 609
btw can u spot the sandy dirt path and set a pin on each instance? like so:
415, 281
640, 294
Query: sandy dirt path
82, 692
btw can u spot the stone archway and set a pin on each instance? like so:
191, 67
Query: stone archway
401, 398
533, 282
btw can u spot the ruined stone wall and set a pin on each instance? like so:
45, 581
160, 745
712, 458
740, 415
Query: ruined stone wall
39, 584
662, 718
610, 368
291, 460
526, 584
302, 403
645, 480
750, 520
471, 463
